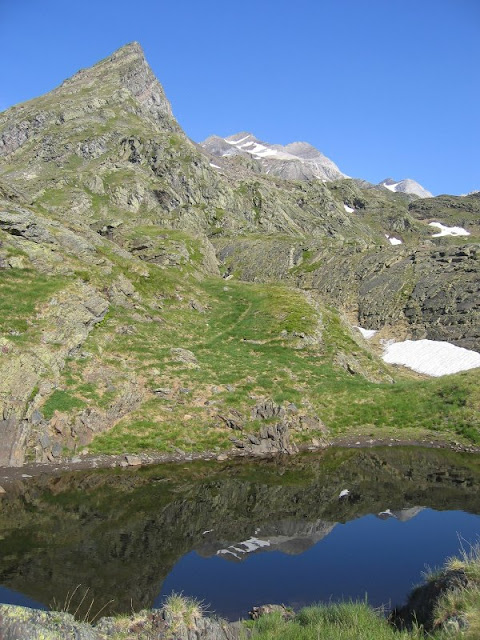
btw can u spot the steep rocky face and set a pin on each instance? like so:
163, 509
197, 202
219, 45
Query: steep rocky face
86, 95
432, 291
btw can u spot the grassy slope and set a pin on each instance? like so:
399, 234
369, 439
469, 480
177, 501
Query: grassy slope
248, 347
248, 344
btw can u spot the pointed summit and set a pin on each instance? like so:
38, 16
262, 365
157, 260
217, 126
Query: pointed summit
128, 69
110, 93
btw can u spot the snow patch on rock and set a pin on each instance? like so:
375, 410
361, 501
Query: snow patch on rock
393, 240
347, 208
448, 231
392, 187
367, 333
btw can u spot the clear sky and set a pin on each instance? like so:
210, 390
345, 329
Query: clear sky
383, 87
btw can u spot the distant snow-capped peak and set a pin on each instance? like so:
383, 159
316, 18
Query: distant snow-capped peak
406, 186
296, 161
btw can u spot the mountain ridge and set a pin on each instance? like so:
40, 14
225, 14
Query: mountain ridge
313, 163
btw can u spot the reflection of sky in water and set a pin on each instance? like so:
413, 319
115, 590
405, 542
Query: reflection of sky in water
9, 596
381, 558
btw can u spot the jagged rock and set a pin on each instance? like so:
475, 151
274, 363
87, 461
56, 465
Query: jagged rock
32, 624
267, 409
13, 436
266, 609
133, 461
36, 417
24, 224
311, 423
57, 449
44, 441
122, 291
274, 438
233, 420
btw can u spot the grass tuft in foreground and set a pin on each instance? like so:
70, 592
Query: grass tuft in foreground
462, 605
180, 611
344, 621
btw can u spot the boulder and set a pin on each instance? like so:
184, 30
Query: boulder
185, 356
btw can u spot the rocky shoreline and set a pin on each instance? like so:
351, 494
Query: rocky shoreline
105, 461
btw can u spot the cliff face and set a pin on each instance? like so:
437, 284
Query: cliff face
117, 234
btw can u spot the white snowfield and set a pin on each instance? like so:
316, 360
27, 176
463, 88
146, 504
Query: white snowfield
258, 150
392, 187
432, 357
314, 161
237, 141
448, 231
215, 166
347, 208
393, 240
367, 333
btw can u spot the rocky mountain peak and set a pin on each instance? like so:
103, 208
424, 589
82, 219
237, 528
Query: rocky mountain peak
127, 68
406, 186
121, 84
296, 161
304, 150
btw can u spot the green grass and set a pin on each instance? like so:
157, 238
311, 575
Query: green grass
248, 345
18, 312
61, 401
246, 340
182, 612
345, 621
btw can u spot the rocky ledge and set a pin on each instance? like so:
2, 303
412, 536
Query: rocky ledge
159, 624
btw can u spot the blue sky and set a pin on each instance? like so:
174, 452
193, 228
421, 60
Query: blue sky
383, 87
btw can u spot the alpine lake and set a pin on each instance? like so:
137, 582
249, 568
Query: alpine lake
339, 524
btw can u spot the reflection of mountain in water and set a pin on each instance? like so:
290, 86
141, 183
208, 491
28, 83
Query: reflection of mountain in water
120, 532
287, 536
404, 515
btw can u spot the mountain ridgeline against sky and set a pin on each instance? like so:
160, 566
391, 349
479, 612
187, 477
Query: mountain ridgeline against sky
294, 161
406, 186
160, 294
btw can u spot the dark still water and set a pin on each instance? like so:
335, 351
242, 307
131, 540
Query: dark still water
239, 534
